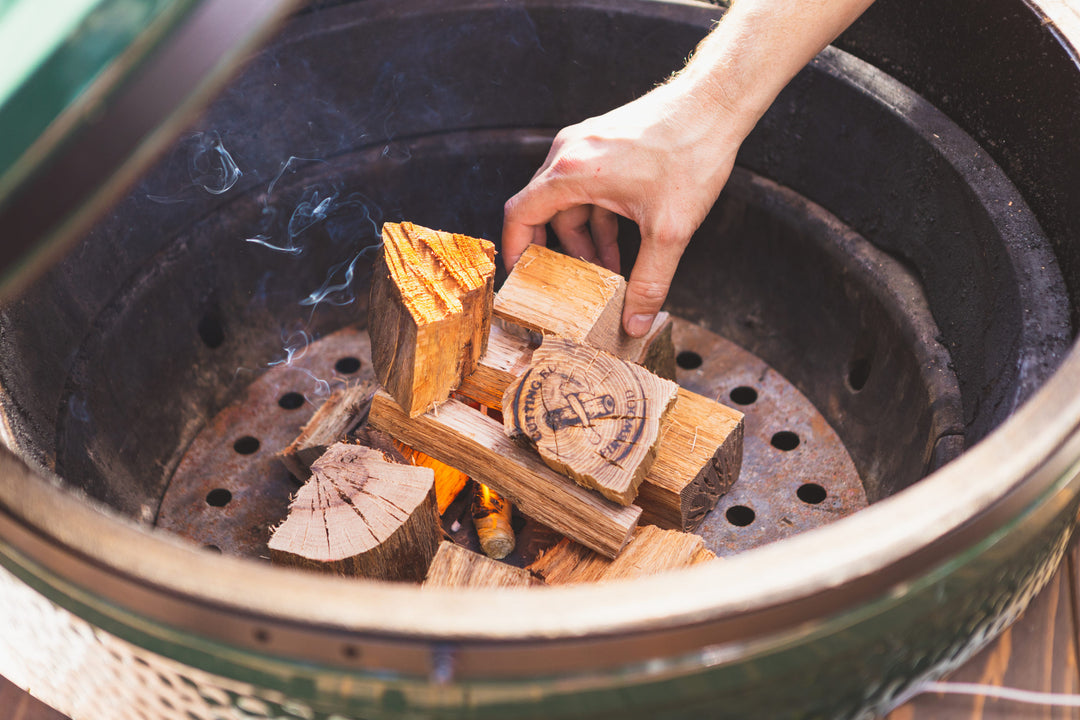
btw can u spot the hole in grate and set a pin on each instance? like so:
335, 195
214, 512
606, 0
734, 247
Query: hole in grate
785, 440
740, 515
688, 360
811, 493
743, 395
291, 400
218, 497
347, 365
246, 445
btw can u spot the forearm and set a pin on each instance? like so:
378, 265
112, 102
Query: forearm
742, 65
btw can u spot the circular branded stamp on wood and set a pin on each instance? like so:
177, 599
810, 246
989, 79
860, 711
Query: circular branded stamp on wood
590, 415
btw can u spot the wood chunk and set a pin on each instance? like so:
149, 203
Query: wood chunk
448, 481
555, 294
429, 312
507, 356
456, 567
492, 514
362, 515
568, 562
697, 459
378, 440
653, 550
342, 413
658, 354
591, 416
477, 445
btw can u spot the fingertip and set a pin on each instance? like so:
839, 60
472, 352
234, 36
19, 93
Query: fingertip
638, 324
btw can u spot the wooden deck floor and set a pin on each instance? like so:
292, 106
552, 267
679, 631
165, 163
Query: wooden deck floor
1039, 652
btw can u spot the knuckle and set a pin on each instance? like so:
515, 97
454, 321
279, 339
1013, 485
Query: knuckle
650, 292
567, 164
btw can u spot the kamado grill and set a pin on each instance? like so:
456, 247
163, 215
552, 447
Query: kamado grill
887, 288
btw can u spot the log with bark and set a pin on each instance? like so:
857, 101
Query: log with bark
653, 550
476, 444
429, 312
361, 515
591, 416
458, 567
341, 413
492, 517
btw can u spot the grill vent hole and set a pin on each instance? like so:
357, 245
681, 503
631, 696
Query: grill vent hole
858, 374
811, 493
743, 395
291, 400
347, 365
785, 440
740, 515
219, 497
688, 360
210, 330
246, 445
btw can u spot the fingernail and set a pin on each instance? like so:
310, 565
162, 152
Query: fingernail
638, 325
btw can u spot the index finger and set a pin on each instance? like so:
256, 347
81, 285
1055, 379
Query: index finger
526, 214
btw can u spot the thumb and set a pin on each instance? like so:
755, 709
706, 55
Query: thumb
649, 283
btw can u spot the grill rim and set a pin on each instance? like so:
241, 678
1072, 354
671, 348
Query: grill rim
1029, 460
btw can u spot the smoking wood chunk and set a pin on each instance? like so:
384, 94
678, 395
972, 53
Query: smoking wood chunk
429, 312
360, 514
653, 550
342, 412
456, 567
697, 459
448, 481
477, 445
555, 294
491, 514
591, 416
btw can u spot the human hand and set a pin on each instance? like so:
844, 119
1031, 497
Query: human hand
660, 161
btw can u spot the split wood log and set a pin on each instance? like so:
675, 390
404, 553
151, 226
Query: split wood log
509, 353
378, 440
342, 413
591, 416
361, 515
492, 515
653, 550
555, 294
457, 567
477, 445
658, 354
507, 356
429, 312
448, 481
698, 457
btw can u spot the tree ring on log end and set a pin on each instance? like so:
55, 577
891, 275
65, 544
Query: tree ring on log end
590, 415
